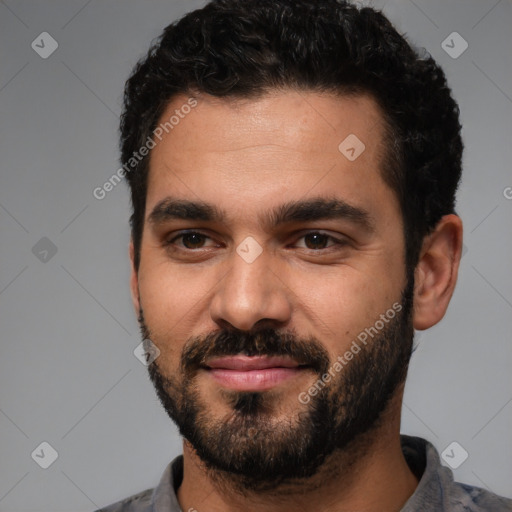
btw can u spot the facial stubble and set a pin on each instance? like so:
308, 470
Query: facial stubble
254, 447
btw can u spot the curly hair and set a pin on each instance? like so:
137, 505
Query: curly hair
245, 48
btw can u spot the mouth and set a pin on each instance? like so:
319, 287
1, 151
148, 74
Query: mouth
253, 373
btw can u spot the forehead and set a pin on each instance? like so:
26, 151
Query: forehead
286, 118
285, 143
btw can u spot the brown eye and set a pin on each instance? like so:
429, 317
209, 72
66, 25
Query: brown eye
193, 240
189, 240
316, 240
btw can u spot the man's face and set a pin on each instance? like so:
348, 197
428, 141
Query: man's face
268, 279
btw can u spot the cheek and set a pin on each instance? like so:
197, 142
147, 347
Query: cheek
174, 300
166, 290
341, 305
166, 302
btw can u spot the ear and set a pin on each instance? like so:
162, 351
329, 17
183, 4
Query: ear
134, 280
436, 272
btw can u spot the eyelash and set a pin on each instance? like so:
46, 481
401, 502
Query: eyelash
337, 243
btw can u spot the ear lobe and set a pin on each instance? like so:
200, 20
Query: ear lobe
134, 280
436, 272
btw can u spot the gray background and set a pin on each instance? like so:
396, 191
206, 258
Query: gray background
68, 375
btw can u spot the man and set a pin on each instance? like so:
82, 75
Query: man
293, 168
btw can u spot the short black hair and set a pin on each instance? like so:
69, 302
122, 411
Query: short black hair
246, 48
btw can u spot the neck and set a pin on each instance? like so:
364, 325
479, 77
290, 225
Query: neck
369, 474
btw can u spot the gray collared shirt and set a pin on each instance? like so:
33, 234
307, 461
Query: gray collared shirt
436, 491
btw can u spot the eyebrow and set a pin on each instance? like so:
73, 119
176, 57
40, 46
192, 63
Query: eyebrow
312, 209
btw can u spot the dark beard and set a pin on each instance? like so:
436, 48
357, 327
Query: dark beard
252, 448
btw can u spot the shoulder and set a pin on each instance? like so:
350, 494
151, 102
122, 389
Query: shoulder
140, 502
472, 498
162, 497
437, 490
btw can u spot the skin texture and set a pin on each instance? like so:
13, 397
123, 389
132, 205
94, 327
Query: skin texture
247, 157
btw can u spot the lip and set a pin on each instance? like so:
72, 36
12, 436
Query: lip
257, 373
244, 363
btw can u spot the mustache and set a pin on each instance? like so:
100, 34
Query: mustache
266, 342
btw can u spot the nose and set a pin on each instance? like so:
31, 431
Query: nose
250, 294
